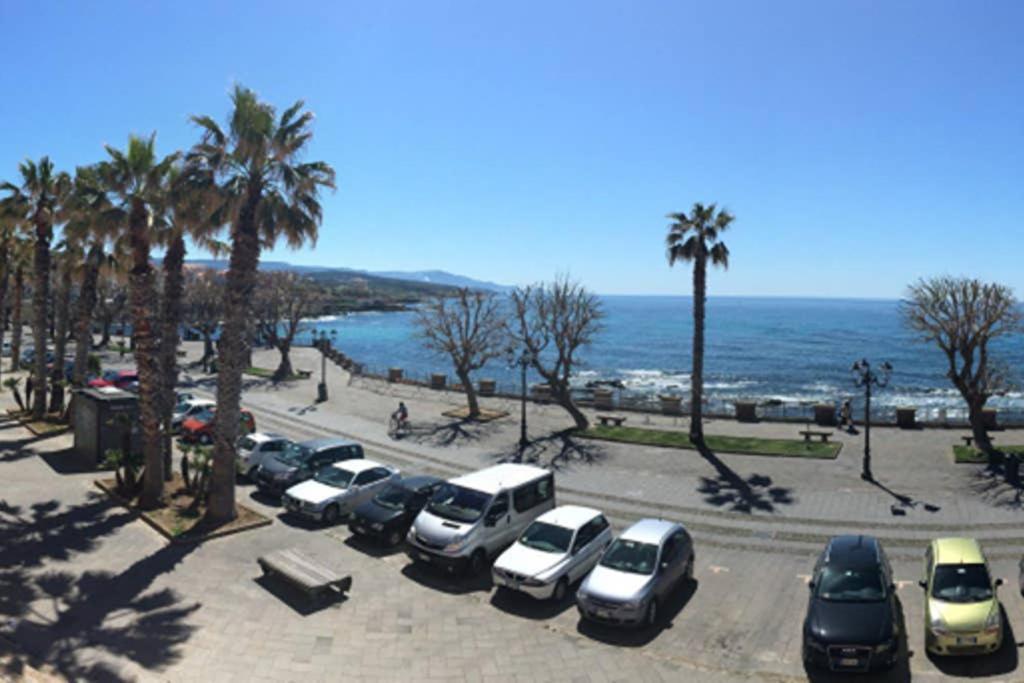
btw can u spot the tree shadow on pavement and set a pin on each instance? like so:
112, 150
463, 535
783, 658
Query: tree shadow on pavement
556, 451
625, 637
66, 620
729, 489
453, 432
990, 484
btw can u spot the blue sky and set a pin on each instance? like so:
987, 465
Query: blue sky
860, 144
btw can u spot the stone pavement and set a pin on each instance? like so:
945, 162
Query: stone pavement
97, 595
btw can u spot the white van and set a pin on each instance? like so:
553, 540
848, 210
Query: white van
474, 517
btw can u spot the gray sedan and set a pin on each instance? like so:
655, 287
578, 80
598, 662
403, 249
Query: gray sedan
637, 574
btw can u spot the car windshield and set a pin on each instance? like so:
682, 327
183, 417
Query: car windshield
962, 583
394, 497
631, 556
182, 407
294, 454
247, 443
458, 504
863, 584
334, 476
109, 375
204, 415
547, 537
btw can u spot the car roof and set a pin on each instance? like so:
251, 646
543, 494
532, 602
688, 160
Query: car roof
498, 477
650, 531
327, 442
853, 551
957, 551
266, 436
201, 402
569, 516
419, 481
357, 465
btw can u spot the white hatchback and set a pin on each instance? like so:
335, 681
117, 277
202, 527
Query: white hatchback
338, 489
557, 550
254, 448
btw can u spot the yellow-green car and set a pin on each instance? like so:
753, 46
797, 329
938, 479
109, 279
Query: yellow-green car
961, 614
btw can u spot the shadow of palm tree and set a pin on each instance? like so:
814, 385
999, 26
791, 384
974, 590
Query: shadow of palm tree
729, 489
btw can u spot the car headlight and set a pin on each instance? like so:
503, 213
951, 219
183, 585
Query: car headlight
885, 647
283, 476
533, 581
938, 626
456, 544
994, 620
377, 526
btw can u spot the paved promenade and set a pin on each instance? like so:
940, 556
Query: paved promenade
94, 594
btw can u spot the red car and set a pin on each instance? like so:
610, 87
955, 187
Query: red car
199, 427
122, 379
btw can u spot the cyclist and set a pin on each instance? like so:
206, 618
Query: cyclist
401, 416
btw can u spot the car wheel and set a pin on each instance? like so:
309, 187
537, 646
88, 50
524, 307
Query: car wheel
205, 439
561, 590
477, 561
689, 569
652, 613
394, 538
331, 514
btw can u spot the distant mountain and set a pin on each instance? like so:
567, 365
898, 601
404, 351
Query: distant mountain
430, 277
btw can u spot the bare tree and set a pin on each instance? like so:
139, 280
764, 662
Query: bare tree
470, 329
283, 300
551, 321
962, 316
204, 306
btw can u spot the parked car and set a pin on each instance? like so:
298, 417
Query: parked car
637, 574
852, 616
28, 357
474, 517
6, 351
253, 449
390, 513
300, 461
188, 408
121, 379
962, 615
199, 427
558, 549
336, 489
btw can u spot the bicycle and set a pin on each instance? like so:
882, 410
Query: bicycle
397, 425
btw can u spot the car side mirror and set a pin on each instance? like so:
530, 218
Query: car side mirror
922, 584
999, 582
810, 585
892, 587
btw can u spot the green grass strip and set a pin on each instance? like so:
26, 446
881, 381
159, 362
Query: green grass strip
969, 455
744, 445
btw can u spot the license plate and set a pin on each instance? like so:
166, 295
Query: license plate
425, 557
849, 661
964, 640
603, 613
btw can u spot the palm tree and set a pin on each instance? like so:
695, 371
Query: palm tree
39, 202
6, 241
136, 182
264, 193
695, 238
18, 263
67, 257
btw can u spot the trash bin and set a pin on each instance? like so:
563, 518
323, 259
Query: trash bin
746, 411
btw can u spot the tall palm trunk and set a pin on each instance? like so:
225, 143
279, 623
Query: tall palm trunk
40, 300
62, 315
142, 292
697, 376
241, 282
83, 314
170, 320
4, 280
18, 295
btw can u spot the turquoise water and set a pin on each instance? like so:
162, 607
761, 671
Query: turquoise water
793, 351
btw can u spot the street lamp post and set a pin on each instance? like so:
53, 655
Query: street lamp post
523, 359
864, 376
321, 390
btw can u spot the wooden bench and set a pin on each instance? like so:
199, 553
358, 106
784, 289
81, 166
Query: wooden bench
968, 439
808, 433
305, 573
606, 419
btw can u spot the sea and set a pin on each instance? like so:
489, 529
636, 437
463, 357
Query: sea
780, 352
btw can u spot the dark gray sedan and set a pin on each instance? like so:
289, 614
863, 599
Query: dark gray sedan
637, 574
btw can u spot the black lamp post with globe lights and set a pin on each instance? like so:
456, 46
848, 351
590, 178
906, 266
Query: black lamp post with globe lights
864, 376
523, 359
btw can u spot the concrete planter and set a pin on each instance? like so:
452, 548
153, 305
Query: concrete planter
825, 414
488, 387
395, 374
540, 392
438, 380
604, 398
906, 417
671, 405
988, 418
746, 411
